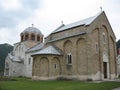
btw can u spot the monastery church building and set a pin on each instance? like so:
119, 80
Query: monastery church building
81, 50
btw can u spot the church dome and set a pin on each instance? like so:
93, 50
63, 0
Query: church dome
32, 34
32, 30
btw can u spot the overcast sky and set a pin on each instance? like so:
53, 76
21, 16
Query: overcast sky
46, 15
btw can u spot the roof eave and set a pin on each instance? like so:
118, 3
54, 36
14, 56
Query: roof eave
68, 28
46, 54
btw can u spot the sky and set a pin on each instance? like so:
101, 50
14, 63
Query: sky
47, 15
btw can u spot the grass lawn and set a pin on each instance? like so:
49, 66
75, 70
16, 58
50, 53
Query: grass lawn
27, 84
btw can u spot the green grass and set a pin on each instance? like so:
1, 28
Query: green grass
27, 84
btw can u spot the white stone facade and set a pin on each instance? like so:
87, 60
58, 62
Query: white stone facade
19, 61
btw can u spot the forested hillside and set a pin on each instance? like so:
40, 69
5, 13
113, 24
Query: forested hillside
118, 45
4, 50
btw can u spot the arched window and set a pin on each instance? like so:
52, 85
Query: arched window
38, 38
7, 69
32, 37
55, 66
7, 65
26, 37
69, 59
22, 49
96, 47
29, 60
18, 51
103, 36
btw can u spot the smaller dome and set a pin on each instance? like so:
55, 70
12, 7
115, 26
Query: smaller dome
32, 34
32, 30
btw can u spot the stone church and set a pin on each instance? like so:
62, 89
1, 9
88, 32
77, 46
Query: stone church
19, 61
83, 50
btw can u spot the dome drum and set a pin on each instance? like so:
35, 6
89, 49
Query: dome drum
32, 33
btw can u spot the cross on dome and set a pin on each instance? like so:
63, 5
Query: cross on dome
32, 25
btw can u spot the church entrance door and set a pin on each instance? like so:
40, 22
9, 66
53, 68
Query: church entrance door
105, 69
